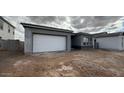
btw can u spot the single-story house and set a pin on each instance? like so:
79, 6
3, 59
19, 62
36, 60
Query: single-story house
104, 40
40, 39
111, 41
82, 40
46, 39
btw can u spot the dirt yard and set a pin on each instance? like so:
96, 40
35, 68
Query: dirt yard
79, 63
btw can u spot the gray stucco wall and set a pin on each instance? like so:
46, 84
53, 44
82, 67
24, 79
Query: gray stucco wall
28, 46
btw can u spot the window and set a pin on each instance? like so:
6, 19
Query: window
13, 32
8, 29
1, 24
90, 39
85, 39
84, 43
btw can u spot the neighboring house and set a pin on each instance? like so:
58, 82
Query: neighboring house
82, 40
7, 30
112, 41
46, 39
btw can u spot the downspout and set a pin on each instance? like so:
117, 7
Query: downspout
93, 42
122, 43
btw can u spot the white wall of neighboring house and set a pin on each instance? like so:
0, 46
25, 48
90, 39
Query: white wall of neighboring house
4, 33
114, 43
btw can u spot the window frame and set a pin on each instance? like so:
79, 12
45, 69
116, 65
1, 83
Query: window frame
1, 24
9, 30
13, 33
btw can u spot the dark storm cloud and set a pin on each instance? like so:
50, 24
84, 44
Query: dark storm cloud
47, 19
76, 22
104, 20
60, 19
92, 21
42, 19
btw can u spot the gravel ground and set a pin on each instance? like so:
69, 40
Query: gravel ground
78, 63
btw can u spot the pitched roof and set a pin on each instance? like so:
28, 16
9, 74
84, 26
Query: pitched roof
103, 34
109, 34
81, 33
100, 34
6, 21
46, 28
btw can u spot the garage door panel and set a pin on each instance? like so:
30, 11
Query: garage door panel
47, 43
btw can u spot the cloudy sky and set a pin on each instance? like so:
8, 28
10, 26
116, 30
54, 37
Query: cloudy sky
88, 24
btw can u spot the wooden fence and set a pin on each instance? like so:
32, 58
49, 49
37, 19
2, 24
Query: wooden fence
11, 45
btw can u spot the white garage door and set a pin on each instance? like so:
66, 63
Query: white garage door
47, 43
